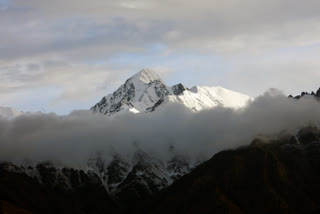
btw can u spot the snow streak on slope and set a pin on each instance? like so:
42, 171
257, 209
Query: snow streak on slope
146, 91
138, 93
203, 97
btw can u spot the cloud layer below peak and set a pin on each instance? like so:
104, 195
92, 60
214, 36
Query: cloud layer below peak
73, 139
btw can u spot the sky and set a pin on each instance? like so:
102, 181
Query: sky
56, 56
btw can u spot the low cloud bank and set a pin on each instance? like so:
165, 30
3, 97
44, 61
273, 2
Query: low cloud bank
72, 140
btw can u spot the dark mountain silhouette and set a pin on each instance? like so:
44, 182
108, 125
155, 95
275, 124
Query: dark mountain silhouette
304, 93
270, 176
278, 176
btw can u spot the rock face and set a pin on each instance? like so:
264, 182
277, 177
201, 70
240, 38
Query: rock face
276, 176
137, 94
146, 91
178, 89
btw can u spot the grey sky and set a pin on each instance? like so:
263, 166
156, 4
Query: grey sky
78, 51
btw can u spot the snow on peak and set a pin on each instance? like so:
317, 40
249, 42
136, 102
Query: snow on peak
145, 92
216, 96
138, 94
146, 75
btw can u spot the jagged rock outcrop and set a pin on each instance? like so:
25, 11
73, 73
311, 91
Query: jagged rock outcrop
178, 89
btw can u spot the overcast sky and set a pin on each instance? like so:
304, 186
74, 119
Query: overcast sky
66, 54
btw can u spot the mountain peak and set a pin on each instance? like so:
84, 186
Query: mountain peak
146, 75
145, 92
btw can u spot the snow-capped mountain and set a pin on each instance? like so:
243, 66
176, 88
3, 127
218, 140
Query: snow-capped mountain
143, 170
126, 181
146, 92
9, 113
129, 180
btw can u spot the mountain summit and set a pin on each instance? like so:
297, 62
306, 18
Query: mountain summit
146, 76
146, 92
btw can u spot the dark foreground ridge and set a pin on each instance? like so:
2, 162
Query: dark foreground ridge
20, 193
269, 176
281, 176
304, 93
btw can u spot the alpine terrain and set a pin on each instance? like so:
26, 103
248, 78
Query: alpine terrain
146, 92
120, 182
274, 174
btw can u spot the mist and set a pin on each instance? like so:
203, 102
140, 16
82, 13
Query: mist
73, 139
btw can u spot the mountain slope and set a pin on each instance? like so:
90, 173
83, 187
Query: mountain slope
121, 183
269, 176
20, 193
146, 91
278, 176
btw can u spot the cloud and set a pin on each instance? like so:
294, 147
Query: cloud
293, 70
109, 27
73, 139
56, 73
82, 33
64, 82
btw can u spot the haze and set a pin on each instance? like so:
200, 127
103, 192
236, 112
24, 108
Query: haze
171, 132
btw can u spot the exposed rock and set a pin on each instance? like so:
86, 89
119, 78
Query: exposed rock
178, 89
